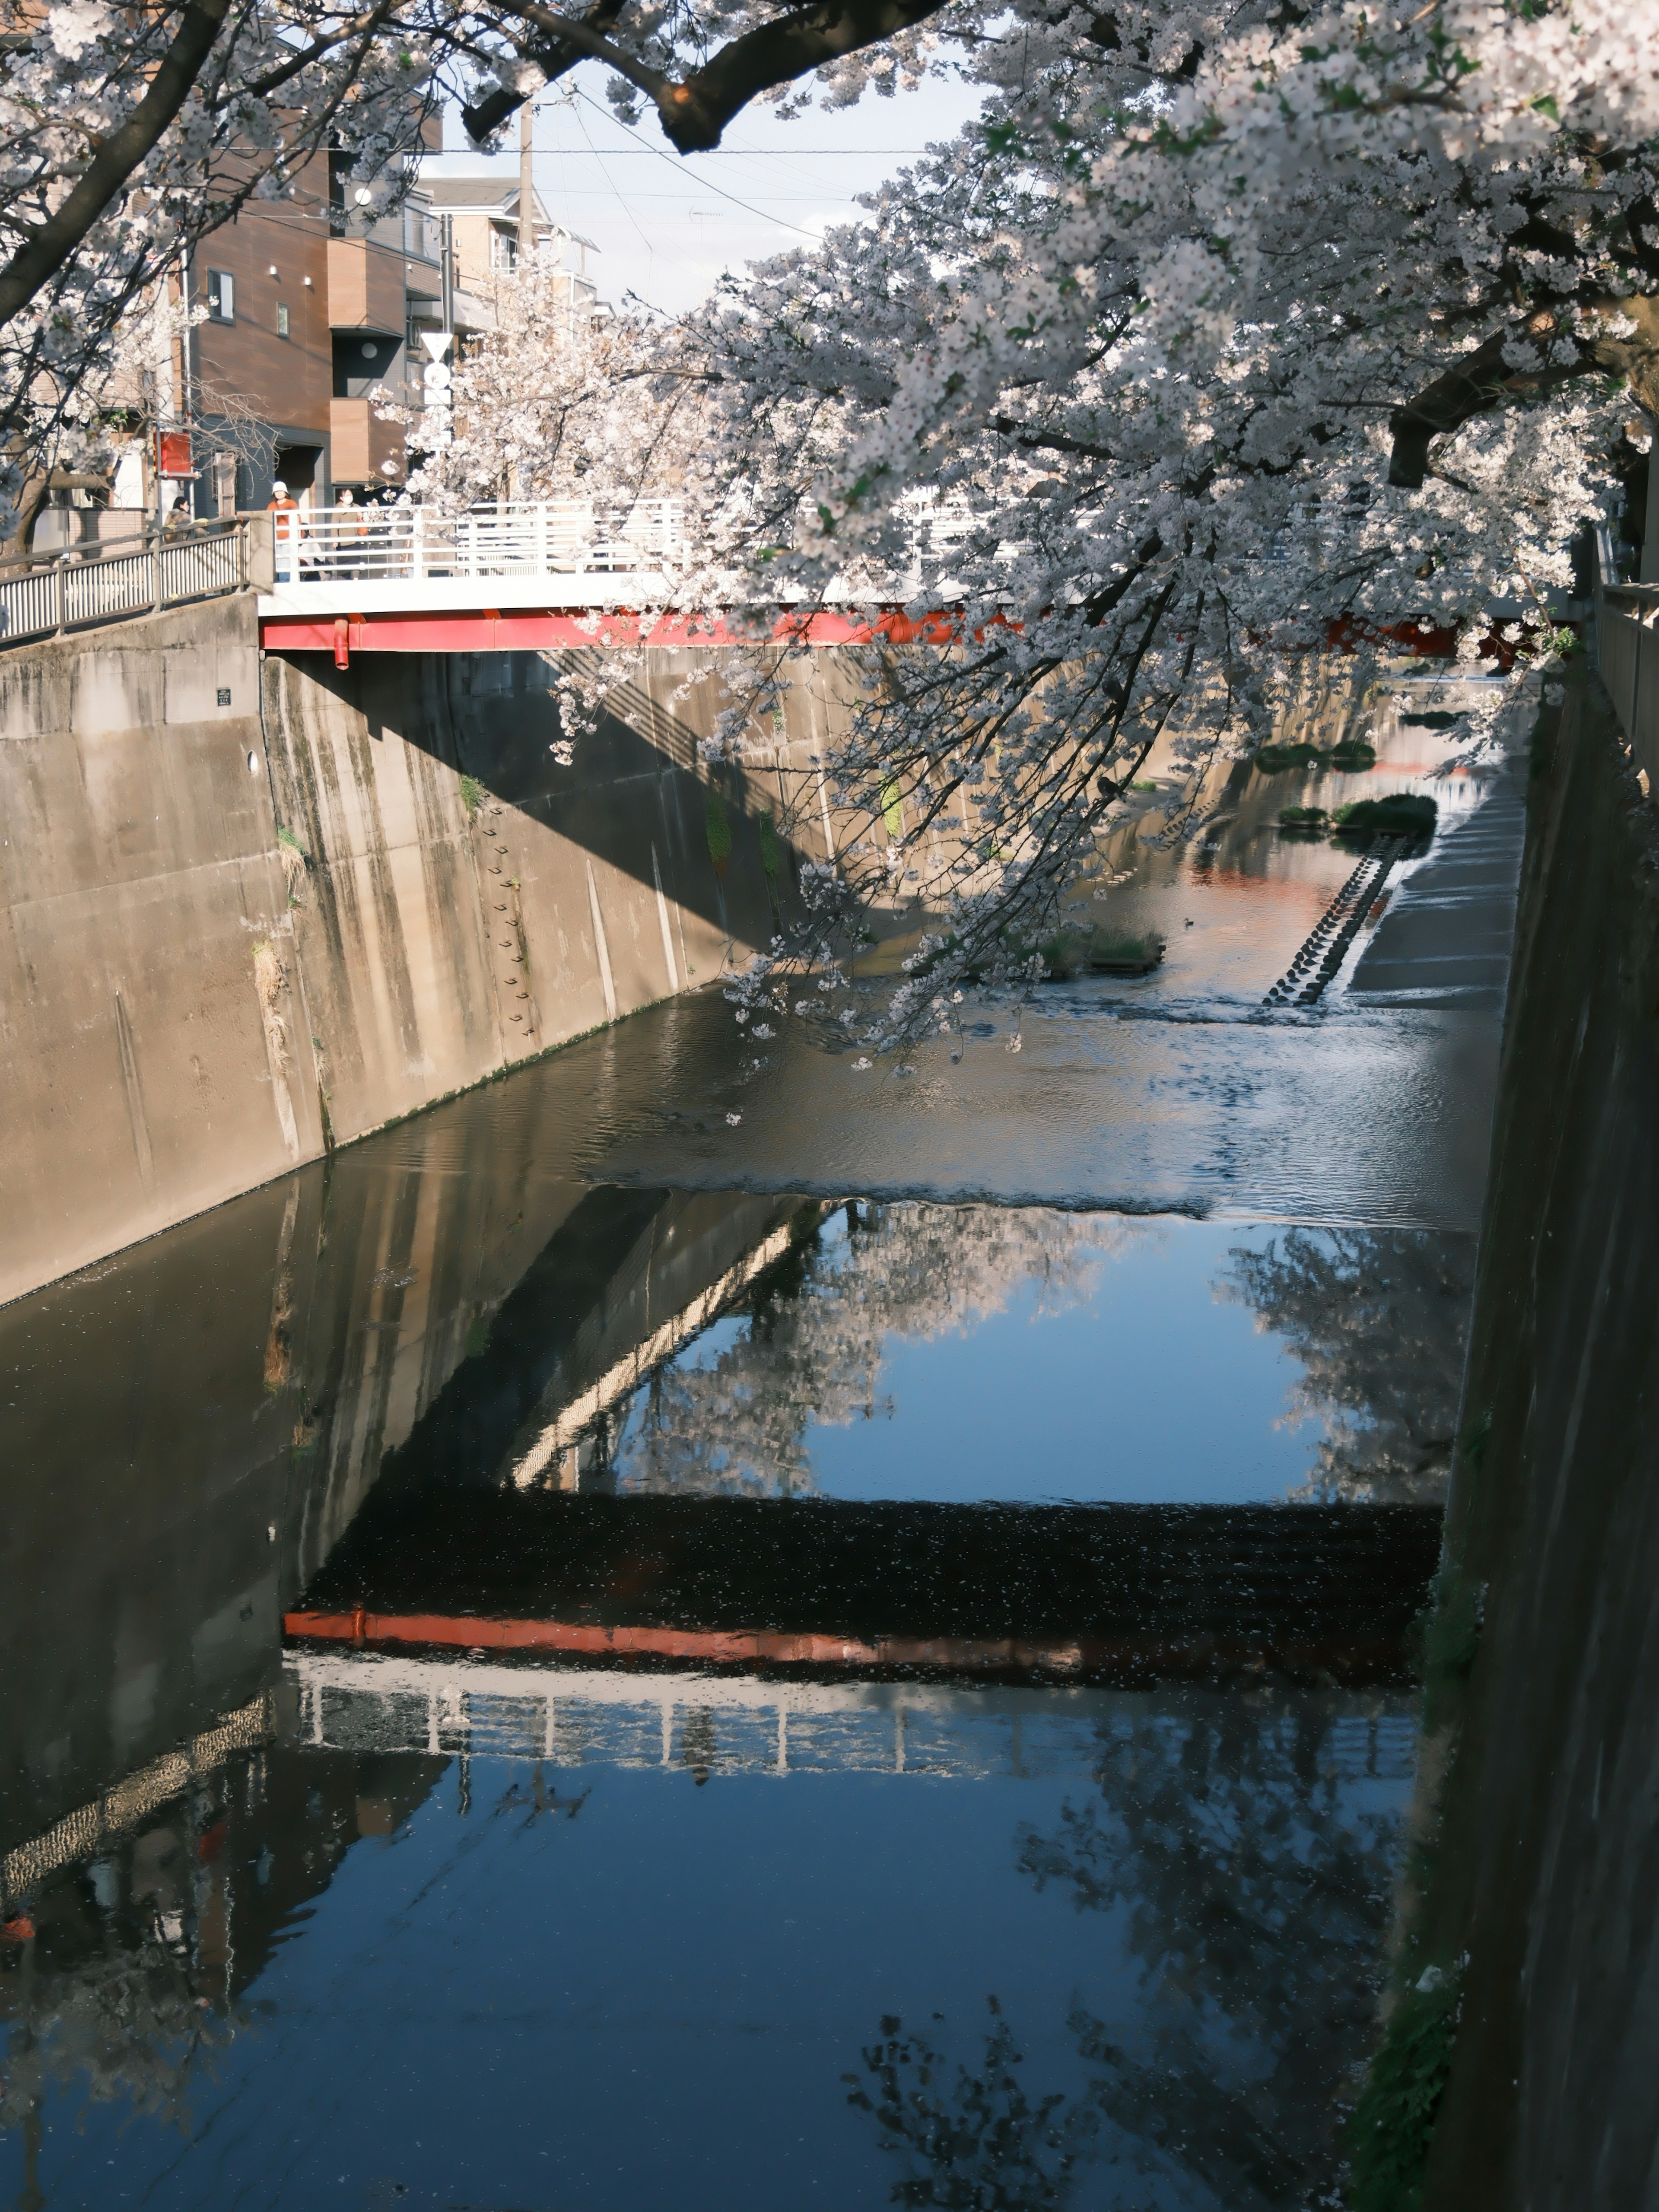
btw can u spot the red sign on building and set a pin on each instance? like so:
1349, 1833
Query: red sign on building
173, 453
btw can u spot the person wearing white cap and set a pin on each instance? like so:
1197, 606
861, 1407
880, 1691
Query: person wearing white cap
284, 529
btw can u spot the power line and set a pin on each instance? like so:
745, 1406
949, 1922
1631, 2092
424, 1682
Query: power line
704, 182
650, 256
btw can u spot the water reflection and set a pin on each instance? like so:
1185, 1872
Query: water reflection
925, 1351
532, 1672
1378, 1322
1173, 1899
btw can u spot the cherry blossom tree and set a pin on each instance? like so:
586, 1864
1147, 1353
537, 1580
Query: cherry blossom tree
128, 133
1231, 334
1239, 340
1234, 331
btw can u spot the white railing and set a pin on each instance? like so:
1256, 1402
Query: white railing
531, 537
73, 592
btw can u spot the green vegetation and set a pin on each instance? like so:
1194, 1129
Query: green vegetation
1071, 952
1446, 1637
1303, 821
1349, 757
286, 836
1437, 718
472, 793
771, 852
1402, 814
719, 831
1393, 2123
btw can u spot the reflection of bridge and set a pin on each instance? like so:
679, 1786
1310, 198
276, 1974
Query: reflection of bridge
1121, 1594
535, 576
368, 1704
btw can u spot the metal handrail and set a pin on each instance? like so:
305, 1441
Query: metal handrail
71, 590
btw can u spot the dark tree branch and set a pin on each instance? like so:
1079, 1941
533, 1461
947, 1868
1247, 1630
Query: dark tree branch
778, 52
1483, 380
694, 113
1047, 441
555, 54
1478, 382
51, 242
262, 88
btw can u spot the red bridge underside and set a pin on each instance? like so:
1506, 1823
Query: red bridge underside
533, 631
527, 630
1133, 1659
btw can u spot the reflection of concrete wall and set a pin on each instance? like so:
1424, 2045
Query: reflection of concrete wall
183, 1000
1546, 1869
191, 1429
195, 1423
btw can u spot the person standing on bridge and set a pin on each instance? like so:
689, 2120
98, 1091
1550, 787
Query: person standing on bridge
284, 529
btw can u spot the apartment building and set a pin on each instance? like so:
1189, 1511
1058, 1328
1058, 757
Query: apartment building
309, 306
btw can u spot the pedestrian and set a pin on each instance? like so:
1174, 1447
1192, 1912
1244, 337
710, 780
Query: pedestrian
284, 529
350, 530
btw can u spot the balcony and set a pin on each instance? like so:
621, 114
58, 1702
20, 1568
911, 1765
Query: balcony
365, 286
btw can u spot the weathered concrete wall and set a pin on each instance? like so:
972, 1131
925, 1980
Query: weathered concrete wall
251, 909
146, 1032
439, 940
1544, 1667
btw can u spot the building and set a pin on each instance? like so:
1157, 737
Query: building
483, 216
304, 308
309, 308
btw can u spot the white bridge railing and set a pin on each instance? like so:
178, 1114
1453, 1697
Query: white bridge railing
411, 544
72, 591
530, 538
406, 546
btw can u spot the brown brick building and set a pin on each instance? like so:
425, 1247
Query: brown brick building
307, 311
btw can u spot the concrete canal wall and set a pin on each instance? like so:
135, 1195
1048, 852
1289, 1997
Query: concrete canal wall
1543, 1869
253, 908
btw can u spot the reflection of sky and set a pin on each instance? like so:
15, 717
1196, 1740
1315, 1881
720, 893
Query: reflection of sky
1149, 1388
1121, 1375
654, 2003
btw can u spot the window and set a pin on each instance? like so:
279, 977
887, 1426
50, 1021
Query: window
221, 296
282, 318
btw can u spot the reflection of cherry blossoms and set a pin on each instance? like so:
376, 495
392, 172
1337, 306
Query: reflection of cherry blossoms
1377, 1321
733, 1414
1249, 1846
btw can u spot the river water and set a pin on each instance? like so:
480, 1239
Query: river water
715, 1628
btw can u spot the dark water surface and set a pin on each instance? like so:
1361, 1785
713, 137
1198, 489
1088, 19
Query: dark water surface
589, 1655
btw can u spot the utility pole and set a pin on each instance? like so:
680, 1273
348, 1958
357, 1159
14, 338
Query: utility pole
526, 184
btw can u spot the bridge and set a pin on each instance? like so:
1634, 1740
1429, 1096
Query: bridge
528, 576
443, 1707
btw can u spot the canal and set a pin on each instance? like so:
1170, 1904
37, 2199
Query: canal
708, 1626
